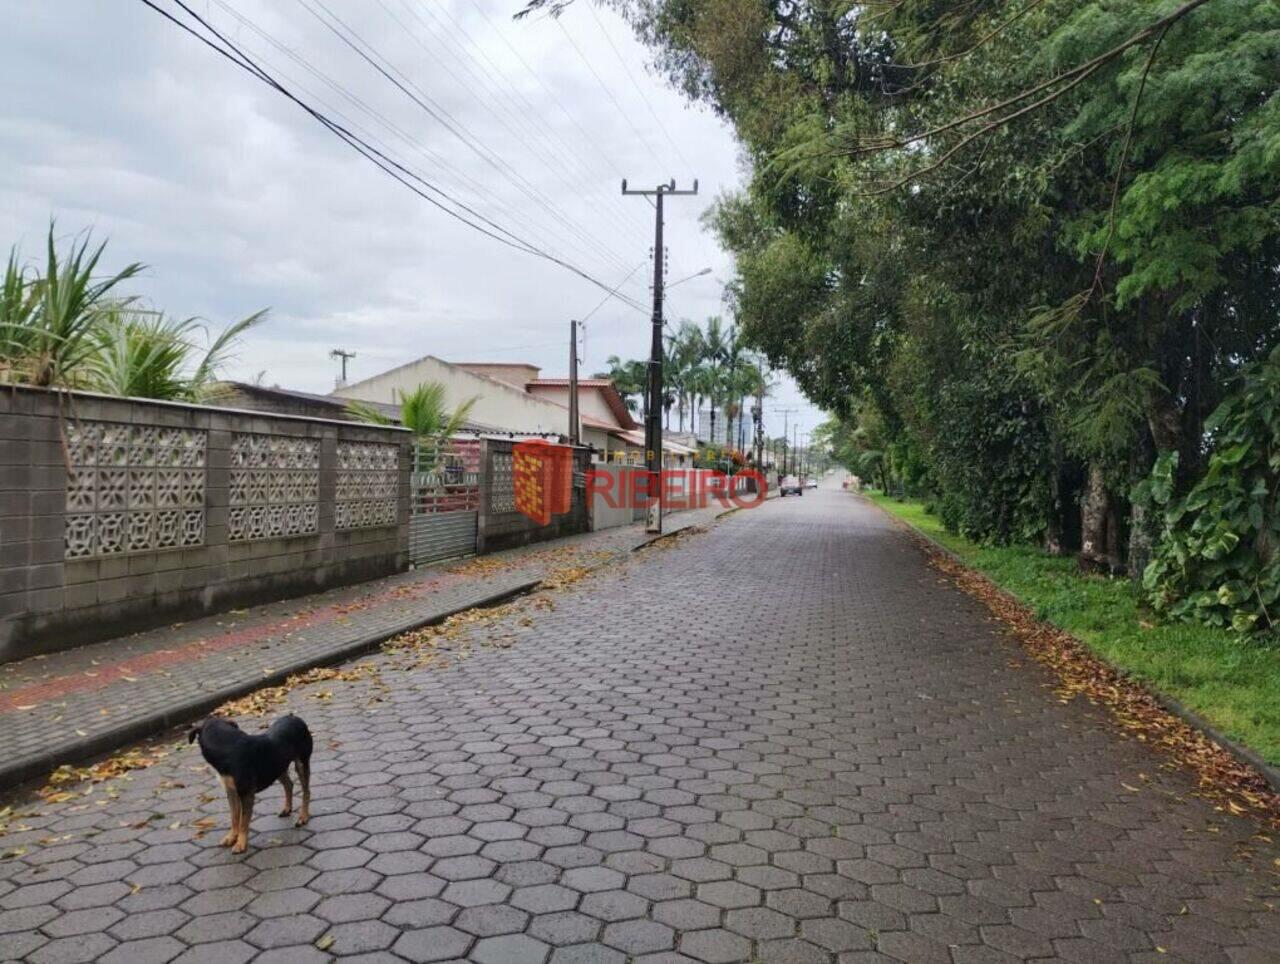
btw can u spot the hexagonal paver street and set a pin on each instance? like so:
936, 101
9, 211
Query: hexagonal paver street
784, 739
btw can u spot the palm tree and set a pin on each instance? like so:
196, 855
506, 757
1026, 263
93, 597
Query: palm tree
47, 329
707, 380
629, 378
422, 412
718, 351
686, 351
146, 354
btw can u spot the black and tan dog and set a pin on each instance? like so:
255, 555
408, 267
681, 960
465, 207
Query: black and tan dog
249, 763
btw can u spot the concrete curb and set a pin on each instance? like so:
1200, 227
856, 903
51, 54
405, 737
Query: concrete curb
1241, 752
15, 772
667, 534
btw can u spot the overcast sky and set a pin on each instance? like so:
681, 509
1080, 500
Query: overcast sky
236, 200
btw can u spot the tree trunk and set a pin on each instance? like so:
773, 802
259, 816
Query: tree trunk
1099, 533
1144, 515
1053, 534
1144, 532
1165, 421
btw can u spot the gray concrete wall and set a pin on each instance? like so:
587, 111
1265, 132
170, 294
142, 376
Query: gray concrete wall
621, 513
500, 525
120, 514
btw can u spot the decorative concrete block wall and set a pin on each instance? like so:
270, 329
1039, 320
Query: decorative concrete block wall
501, 525
121, 514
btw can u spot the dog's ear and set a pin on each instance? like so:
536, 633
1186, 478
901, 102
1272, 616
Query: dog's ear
194, 732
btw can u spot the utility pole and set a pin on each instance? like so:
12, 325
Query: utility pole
653, 411
575, 431
786, 417
795, 448
786, 433
345, 356
757, 415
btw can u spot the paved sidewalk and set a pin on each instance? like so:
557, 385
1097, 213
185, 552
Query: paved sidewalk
72, 705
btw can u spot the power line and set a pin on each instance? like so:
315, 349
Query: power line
353, 40
587, 137
372, 112
639, 90
505, 88
406, 177
608, 92
500, 98
395, 129
613, 293
617, 168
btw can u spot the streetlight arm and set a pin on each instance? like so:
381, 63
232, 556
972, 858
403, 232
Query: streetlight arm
696, 274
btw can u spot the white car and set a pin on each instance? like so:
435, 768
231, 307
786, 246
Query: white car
811, 483
790, 484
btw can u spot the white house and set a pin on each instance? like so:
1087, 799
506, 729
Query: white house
512, 398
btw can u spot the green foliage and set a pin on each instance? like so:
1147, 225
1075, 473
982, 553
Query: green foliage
989, 463
140, 355
48, 330
67, 328
424, 412
707, 363
144, 354
1218, 561
629, 377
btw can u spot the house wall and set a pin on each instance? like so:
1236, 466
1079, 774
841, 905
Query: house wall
611, 504
512, 374
599, 439
591, 403
118, 514
497, 404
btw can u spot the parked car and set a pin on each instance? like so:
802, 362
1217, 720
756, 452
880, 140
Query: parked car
810, 483
790, 486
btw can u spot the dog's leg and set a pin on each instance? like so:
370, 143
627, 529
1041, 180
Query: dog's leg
304, 777
233, 801
288, 793
246, 814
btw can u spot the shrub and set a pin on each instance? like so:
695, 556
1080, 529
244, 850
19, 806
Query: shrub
1217, 562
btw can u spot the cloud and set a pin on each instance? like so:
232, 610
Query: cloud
237, 200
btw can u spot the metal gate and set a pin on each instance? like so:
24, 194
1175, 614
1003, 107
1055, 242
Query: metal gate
443, 535
444, 504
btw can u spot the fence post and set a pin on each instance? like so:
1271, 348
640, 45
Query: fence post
484, 478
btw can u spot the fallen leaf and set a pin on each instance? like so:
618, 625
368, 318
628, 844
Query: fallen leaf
1233, 785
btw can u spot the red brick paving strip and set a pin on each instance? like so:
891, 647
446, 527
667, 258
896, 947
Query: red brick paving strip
27, 697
